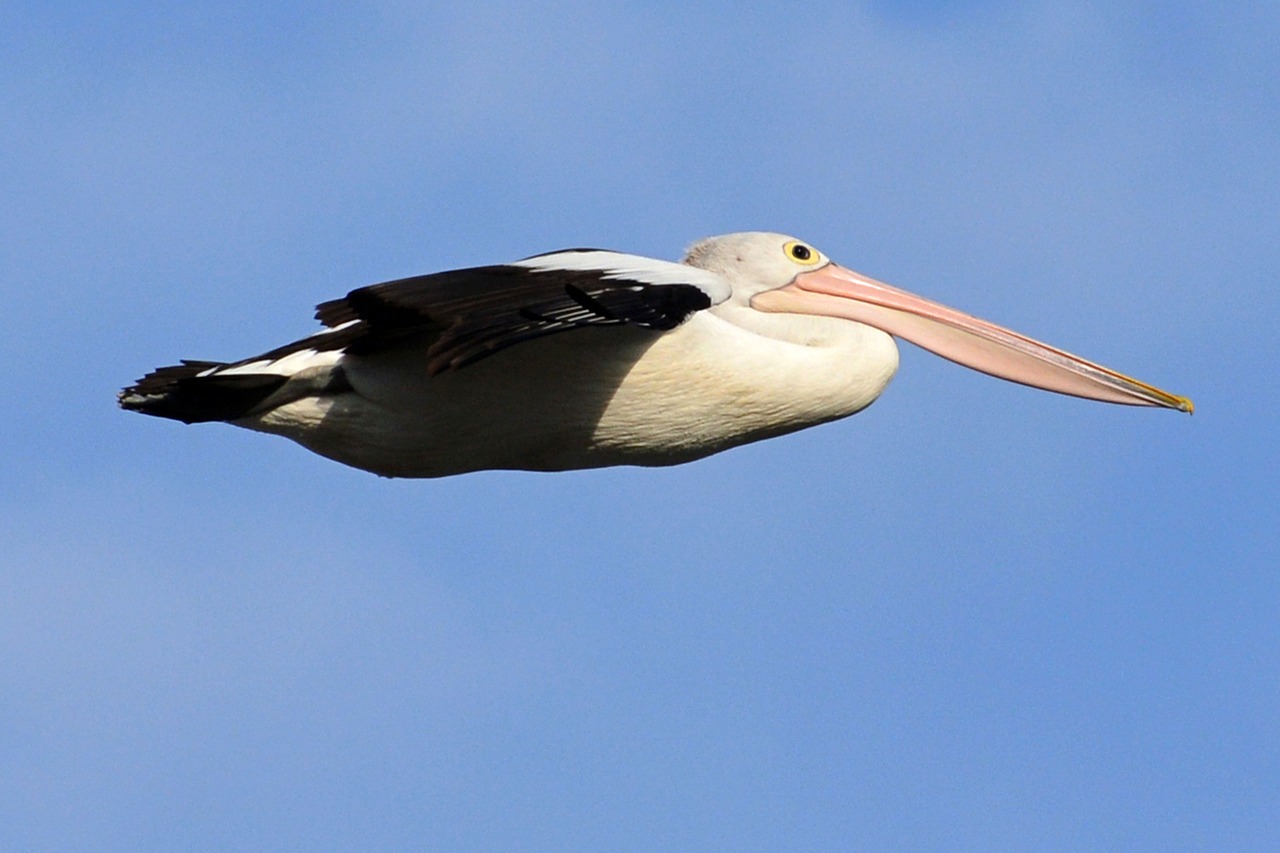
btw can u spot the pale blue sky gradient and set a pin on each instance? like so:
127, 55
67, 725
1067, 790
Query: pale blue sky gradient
972, 617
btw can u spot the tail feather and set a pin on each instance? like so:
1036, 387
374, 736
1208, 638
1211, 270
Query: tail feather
182, 393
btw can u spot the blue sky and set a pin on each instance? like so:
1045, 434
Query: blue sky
973, 616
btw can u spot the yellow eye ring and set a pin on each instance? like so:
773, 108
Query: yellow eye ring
802, 254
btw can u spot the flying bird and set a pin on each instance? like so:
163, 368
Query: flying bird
586, 358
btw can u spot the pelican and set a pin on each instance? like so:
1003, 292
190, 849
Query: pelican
586, 358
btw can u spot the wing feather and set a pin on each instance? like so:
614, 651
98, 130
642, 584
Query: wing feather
471, 313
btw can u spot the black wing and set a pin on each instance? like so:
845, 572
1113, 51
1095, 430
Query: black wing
471, 313
464, 315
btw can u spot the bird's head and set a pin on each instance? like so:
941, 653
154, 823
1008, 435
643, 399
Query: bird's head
775, 273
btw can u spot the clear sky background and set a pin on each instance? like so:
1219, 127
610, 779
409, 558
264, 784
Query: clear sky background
973, 616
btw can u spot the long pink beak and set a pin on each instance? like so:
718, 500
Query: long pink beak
835, 291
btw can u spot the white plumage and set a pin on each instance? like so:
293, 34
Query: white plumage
586, 358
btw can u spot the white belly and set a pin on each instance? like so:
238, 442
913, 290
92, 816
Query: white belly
589, 398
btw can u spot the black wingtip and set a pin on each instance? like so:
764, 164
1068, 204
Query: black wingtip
180, 393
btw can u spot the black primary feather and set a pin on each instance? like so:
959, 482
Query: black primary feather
476, 312
180, 393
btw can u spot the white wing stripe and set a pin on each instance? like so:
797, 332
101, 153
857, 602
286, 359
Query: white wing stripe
294, 362
616, 265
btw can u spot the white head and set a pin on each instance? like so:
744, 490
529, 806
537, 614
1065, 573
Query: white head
755, 261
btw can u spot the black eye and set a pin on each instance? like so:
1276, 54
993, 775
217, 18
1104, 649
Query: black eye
801, 252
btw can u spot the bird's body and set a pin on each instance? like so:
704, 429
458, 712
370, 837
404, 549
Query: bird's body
502, 413
583, 359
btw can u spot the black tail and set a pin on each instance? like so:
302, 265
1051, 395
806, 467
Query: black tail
181, 393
